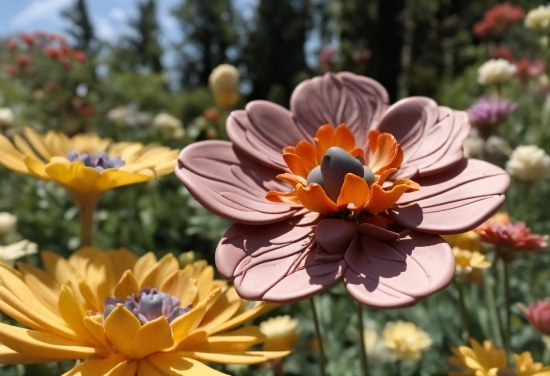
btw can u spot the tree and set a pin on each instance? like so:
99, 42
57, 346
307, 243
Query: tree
275, 54
82, 30
145, 41
209, 29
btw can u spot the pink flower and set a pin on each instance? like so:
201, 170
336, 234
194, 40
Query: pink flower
538, 315
526, 69
306, 218
326, 58
500, 232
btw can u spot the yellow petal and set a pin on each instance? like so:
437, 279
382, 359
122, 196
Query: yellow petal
57, 267
163, 268
10, 157
181, 286
222, 310
145, 368
183, 325
94, 324
175, 364
73, 313
143, 265
127, 285
236, 341
46, 345
156, 335
37, 143
57, 143
258, 310
244, 357
122, 259
36, 167
204, 282
112, 366
74, 176
122, 327
113, 178
43, 286
100, 277
9, 356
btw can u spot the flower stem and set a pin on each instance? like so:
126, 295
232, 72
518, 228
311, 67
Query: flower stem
494, 318
364, 359
319, 337
508, 330
86, 205
463, 312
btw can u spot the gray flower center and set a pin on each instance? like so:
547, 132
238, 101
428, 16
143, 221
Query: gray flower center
100, 161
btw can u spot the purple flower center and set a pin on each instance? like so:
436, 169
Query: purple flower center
148, 305
100, 161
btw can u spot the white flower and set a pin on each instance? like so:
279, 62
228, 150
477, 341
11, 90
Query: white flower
538, 19
529, 163
8, 223
167, 122
7, 117
12, 252
495, 72
405, 340
119, 115
281, 333
473, 147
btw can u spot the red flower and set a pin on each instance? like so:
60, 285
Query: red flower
11, 45
538, 315
23, 59
51, 86
526, 69
498, 19
500, 232
502, 53
28, 39
79, 56
211, 114
11, 70
54, 53
315, 204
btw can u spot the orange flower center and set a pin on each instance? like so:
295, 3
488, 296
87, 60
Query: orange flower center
335, 176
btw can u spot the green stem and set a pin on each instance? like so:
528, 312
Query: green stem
494, 318
463, 312
364, 359
86, 205
508, 330
319, 338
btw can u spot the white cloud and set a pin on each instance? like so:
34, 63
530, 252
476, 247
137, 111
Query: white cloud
118, 15
104, 29
39, 10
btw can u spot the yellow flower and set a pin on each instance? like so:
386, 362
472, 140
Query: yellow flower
223, 82
125, 316
281, 333
405, 340
470, 263
467, 240
487, 360
85, 164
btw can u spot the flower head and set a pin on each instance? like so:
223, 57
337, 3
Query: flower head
405, 340
8, 223
495, 72
281, 333
538, 315
7, 117
500, 232
529, 163
12, 252
469, 264
359, 201
526, 69
467, 240
498, 19
136, 316
487, 360
538, 19
486, 114
223, 82
167, 121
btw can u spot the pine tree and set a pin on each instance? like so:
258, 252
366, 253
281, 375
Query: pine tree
82, 29
145, 40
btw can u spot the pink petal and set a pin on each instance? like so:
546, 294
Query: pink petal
334, 235
263, 130
431, 137
339, 98
398, 273
453, 201
230, 184
276, 262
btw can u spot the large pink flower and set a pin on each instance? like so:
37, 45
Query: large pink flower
306, 217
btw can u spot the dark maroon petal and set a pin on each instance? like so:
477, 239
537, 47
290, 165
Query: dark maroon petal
230, 184
334, 235
339, 98
263, 130
455, 200
431, 137
276, 262
397, 273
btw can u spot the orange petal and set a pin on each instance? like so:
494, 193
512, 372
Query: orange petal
288, 197
381, 200
296, 164
388, 154
344, 138
372, 137
358, 152
292, 179
384, 175
324, 139
308, 153
355, 191
314, 198
413, 186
